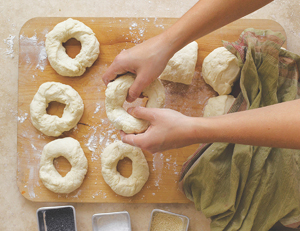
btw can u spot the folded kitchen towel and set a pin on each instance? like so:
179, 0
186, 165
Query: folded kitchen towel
243, 187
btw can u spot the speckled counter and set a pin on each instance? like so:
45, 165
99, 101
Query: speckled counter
17, 213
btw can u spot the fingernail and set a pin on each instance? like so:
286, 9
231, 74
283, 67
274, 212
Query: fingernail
129, 110
130, 99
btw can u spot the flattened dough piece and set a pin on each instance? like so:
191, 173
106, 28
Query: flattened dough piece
220, 69
71, 150
52, 125
115, 96
218, 105
57, 56
181, 67
123, 186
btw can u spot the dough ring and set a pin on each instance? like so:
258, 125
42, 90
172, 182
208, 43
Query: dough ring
71, 150
116, 94
52, 125
57, 56
123, 186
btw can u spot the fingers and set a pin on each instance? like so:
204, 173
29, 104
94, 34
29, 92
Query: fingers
115, 69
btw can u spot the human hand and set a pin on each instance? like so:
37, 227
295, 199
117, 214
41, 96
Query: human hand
168, 129
147, 60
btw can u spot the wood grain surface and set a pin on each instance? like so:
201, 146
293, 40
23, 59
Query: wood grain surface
94, 131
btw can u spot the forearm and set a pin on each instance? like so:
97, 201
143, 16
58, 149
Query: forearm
206, 16
273, 126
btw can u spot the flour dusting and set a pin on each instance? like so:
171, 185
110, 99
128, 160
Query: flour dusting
21, 119
40, 50
97, 108
42, 59
10, 46
100, 136
158, 167
31, 184
136, 32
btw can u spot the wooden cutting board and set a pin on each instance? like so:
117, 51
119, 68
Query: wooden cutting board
94, 131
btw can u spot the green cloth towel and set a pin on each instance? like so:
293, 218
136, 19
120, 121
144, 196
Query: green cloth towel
243, 187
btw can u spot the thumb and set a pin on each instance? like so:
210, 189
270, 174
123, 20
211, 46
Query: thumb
127, 138
142, 113
140, 83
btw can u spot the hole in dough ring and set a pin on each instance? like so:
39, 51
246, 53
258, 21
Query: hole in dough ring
116, 94
52, 125
123, 186
71, 150
57, 56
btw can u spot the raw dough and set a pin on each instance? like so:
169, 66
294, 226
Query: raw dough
220, 69
181, 67
219, 105
123, 186
57, 56
52, 125
71, 150
116, 94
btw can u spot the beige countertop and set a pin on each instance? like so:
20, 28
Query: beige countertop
17, 213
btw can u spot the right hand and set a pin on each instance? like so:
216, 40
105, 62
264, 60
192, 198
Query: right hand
168, 129
147, 60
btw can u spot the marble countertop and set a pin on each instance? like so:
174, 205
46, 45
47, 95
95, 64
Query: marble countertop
16, 212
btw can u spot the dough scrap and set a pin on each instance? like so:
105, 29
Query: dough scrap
71, 150
116, 94
181, 67
57, 56
123, 186
52, 125
220, 69
218, 105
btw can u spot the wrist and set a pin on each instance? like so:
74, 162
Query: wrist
200, 130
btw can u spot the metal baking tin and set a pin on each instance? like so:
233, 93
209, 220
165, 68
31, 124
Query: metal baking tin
60, 218
101, 219
184, 219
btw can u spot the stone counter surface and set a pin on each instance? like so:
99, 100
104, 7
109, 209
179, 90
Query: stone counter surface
17, 213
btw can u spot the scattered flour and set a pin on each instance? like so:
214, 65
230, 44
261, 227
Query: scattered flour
21, 119
40, 50
42, 59
100, 137
33, 147
157, 166
97, 108
99, 193
136, 32
10, 46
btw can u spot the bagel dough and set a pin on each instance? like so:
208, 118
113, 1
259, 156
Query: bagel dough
220, 69
219, 105
71, 150
52, 125
57, 56
123, 186
116, 94
181, 67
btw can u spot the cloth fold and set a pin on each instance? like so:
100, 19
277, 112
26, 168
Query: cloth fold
243, 187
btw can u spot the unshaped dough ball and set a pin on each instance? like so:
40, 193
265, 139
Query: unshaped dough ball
220, 69
219, 105
181, 66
